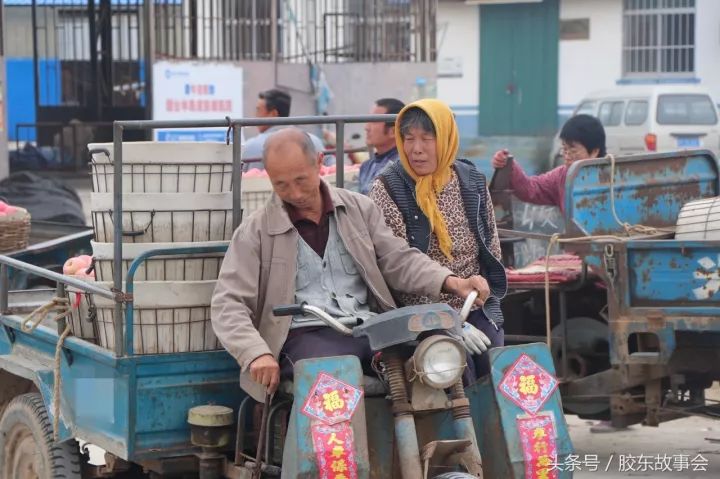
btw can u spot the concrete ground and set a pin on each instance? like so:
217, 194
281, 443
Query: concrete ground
668, 451
683, 448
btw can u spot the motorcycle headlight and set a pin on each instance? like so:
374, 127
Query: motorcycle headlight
439, 361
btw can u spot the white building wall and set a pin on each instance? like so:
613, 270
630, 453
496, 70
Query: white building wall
584, 65
458, 28
707, 41
596, 64
593, 64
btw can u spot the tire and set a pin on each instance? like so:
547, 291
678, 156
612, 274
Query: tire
26, 443
455, 475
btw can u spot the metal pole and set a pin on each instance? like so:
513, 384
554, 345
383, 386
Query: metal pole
253, 28
149, 21
4, 287
193, 29
60, 293
76, 154
8, 262
274, 38
562, 300
36, 73
243, 122
340, 153
106, 57
237, 176
95, 102
117, 234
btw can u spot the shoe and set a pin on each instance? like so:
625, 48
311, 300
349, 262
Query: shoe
606, 426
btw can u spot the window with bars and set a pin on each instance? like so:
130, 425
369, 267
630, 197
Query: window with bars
658, 37
328, 31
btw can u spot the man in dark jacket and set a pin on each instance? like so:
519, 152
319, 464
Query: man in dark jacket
381, 138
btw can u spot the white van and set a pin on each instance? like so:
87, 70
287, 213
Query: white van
642, 118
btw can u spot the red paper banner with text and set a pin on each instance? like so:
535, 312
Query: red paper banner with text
334, 451
539, 445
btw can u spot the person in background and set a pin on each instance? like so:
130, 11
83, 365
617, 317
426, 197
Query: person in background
272, 104
441, 205
582, 136
381, 138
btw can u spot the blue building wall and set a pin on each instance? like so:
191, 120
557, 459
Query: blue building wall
21, 93
466, 118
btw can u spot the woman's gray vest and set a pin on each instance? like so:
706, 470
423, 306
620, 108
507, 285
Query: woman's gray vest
401, 188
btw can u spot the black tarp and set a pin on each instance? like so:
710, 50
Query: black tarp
46, 199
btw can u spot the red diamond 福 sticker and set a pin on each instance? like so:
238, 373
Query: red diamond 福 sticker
331, 401
527, 384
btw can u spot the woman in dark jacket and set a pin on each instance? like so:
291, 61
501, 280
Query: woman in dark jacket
442, 206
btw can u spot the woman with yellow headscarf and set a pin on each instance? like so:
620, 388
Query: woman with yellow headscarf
441, 205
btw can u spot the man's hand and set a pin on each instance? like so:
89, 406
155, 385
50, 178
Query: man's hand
266, 371
463, 287
500, 159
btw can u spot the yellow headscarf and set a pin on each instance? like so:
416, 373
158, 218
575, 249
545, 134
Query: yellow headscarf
429, 186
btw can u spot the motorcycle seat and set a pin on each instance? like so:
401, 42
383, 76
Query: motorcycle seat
372, 386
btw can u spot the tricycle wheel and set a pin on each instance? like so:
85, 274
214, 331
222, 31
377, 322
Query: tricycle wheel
27, 450
455, 475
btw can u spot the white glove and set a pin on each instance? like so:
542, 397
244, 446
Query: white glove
475, 341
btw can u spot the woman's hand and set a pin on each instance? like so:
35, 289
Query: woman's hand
500, 159
474, 340
462, 287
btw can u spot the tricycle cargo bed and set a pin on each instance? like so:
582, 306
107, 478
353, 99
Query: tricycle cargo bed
134, 407
673, 274
646, 190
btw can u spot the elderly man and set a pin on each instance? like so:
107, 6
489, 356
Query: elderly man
317, 244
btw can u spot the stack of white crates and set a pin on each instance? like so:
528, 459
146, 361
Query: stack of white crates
175, 195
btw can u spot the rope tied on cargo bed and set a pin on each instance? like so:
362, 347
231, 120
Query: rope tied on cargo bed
629, 229
33, 320
29, 324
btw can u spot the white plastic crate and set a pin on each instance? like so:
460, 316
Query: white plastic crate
162, 268
164, 217
165, 167
169, 317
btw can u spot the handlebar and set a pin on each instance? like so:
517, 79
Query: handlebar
469, 302
293, 309
288, 310
304, 308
